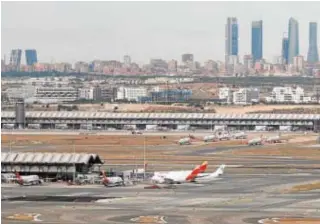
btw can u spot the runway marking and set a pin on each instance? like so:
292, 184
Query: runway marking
25, 217
149, 219
289, 220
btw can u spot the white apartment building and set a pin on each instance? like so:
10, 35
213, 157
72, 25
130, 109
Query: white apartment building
288, 95
226, 94
246, 96
56, 94
131, 93
298, 63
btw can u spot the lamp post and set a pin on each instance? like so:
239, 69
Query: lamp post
144, 159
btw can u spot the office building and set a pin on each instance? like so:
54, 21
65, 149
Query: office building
286, 95
256, 40
231, 39
81, 67
31, 57
15, 58
131, 93
293, 49
127, 61
187, 58
246, 96
56, 94
298, 63
285, 50
313, 56
172, 65
226, 94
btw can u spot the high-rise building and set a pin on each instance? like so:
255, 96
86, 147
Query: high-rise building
231, 38
15, 58
187, 58
285, 50
256, 40
313, 56
31, 57
293, 40
127, 60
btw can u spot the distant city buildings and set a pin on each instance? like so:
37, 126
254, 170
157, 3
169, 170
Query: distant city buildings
232, 37
246, 96
289, 63
293, 48
290, 95
31, 57
256, 40
313, 56
15, 58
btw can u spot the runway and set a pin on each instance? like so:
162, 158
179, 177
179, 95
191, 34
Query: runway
233, 198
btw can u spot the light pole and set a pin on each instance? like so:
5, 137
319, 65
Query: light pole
74, 163
144, 159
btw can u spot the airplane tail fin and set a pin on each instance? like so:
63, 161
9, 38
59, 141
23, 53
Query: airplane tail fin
196, 171
220, 170
104, 177
19, 179
203, 166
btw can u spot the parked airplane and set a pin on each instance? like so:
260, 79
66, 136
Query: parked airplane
256, 141
210, 138
185, 141
240, 135
274, 139
208, 177
178, 177
111, 181
28, 180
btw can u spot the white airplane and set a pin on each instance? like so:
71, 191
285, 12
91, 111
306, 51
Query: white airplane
256, 141
209, 177
240, 135
28, 180
274, 139
210, 138
111, 181
185, 141
177, 177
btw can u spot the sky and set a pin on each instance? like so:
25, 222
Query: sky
86, 31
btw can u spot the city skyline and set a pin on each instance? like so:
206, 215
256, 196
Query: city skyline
142, 31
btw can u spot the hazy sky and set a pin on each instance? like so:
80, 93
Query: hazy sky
72, 31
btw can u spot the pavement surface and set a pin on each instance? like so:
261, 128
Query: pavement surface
233, 198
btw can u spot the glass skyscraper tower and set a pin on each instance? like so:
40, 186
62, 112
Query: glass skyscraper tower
256, 40
31, 56
285, 48
313, 56
231, 38
293, 49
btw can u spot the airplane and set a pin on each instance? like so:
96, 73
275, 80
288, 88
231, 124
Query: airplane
209, 177
178, 177
111, 181
28, 180
185, 141
210, 138
274, 139
240, 135
256, 141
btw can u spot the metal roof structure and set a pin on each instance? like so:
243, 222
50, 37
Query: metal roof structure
187, 116
49, 158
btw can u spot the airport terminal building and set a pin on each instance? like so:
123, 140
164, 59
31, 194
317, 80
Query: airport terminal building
105, 120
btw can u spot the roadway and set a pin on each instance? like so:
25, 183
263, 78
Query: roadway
233, 198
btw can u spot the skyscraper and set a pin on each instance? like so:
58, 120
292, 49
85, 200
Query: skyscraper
232, 36
313, 56
285, 49
293, 40
31, 56
15, 58
256, 40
